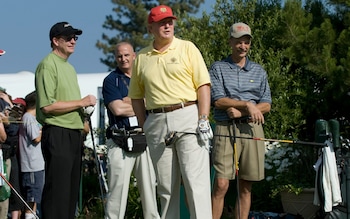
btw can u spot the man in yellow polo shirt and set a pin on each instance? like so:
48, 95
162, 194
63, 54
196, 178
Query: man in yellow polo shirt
172, 78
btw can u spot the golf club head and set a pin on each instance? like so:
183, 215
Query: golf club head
170, 138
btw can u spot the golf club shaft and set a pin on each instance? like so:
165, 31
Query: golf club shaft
19, 196
282, 141
237, 170
269, 139
97, 160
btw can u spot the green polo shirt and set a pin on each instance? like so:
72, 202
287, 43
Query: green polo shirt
56, 80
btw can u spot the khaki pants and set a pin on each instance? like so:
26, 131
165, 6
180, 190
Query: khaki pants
249, 153
120, 166
185, 160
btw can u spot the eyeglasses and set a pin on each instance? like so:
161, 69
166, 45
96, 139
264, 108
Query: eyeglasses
69, 38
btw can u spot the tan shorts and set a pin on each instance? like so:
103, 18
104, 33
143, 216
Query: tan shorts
249, 153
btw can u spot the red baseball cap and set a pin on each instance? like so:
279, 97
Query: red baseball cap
19, 100
2, 52
159, 13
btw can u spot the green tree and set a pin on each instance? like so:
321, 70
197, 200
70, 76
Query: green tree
309, 37
210, 34
129, 23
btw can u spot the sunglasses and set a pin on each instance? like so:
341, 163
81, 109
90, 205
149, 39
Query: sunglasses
69, 38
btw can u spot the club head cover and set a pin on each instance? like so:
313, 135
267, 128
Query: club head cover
88, 110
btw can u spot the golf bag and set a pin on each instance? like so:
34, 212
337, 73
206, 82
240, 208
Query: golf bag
329, 132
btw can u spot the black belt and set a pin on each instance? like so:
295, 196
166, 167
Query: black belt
171, 108
242, 120
122, 132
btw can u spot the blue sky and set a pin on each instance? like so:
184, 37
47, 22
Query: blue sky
25, 26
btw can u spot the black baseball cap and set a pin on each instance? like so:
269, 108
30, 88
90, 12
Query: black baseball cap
63, 29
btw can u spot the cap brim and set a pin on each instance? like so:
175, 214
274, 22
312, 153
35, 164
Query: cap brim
2, 52
72, 31
241, 35
69, 32
159, 18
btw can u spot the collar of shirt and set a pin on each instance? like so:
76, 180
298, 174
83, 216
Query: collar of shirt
247, 66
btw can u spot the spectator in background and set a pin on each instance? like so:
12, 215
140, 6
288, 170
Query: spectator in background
3, 118
5, 105
31, 157
13, 111
15, 203
5, 101
60, 110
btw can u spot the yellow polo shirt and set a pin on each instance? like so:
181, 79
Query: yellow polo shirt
169, 77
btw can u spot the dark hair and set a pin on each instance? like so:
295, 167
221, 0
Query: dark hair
31, 100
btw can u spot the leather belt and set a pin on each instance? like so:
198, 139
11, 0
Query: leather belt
171, 108
242, 120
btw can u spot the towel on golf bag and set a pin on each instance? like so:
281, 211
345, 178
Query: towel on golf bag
329, 176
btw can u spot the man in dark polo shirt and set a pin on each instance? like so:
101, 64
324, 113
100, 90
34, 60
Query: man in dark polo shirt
121, 163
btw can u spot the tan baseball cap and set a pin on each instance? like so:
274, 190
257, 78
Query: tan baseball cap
238, 30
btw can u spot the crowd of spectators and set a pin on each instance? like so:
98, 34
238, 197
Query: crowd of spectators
14, 151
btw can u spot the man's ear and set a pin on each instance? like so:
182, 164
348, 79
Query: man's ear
149, 28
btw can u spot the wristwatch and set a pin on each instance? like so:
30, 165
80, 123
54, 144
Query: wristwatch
205, 117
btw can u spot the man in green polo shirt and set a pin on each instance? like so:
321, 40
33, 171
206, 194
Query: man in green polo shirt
59, 110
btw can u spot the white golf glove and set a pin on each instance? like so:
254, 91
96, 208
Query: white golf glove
205, 133
88, 110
